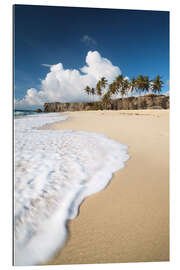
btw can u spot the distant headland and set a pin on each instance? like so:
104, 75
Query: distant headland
150, 101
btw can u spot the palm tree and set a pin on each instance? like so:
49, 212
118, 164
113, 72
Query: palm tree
93, 92
87, 89
98, 88
106, 98
133, 84
124, 87
113, 88
140, 83
103, 82
119, 79
120, 84
157, 84
146, 83
116, 84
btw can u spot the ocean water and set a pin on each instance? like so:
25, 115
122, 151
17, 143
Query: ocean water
54, 172
18, 113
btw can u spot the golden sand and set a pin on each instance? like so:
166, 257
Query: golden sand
129, 220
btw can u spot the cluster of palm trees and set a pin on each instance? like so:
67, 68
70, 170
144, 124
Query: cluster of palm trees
140, 84
102, 83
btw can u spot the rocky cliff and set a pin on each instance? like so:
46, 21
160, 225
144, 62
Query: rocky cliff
131, 103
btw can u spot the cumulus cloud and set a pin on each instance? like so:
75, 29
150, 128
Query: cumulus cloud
88, 40
32, 99
67, 85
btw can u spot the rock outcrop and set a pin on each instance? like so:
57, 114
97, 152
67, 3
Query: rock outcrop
131, 103
38, 110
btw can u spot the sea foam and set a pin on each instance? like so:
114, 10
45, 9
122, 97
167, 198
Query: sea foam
54, 172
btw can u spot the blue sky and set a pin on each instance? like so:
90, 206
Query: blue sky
135, 41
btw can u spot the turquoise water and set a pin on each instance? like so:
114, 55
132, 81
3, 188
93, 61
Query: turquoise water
23, 112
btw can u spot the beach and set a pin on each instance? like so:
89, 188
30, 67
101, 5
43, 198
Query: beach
90, 135
129, 220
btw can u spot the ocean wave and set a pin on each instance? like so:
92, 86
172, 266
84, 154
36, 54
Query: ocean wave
54, 172
23, 112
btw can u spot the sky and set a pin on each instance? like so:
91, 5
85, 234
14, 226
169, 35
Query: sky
60, 50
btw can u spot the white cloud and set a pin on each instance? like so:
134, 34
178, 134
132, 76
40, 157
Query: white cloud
46, 65
166, 93
88, 40
33, 98
67, 85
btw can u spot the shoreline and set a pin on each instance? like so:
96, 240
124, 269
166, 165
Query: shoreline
129, 220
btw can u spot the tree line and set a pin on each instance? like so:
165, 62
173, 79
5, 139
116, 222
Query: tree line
140, 84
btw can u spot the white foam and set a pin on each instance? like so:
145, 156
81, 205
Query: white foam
54, 172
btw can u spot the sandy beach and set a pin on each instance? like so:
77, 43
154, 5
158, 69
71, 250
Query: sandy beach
129, 220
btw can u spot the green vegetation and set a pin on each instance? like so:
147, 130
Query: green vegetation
140, 84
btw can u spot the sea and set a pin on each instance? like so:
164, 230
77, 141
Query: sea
54, 171
18, 113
